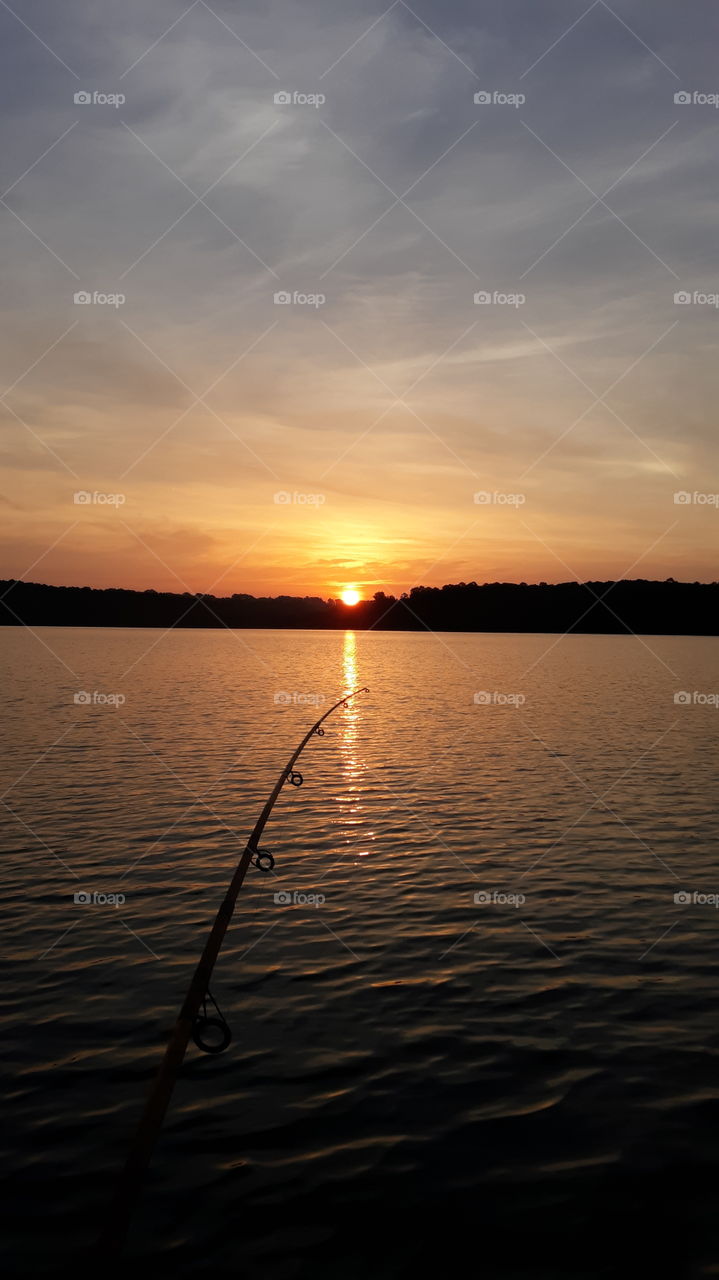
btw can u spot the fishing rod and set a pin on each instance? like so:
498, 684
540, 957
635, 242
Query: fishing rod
209, 1032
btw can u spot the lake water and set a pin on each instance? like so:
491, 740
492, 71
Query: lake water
525, 1085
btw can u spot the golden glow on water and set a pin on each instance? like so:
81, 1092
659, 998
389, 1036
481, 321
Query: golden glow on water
349, 662
352, 712
352, 768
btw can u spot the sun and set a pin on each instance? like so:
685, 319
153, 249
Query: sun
350, 596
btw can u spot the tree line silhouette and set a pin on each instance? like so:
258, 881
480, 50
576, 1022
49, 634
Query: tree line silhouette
670, 607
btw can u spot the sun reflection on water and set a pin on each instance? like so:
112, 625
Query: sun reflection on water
352, 768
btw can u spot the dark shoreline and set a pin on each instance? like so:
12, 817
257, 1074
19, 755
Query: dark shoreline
638, 607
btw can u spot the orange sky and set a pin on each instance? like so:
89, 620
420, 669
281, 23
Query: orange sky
376, 307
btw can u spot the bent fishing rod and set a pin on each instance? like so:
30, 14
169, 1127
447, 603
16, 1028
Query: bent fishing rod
209, 1032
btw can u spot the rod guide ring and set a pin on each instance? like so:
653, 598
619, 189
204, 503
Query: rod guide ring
204, 1034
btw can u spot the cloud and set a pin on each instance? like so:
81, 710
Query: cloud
396, 200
